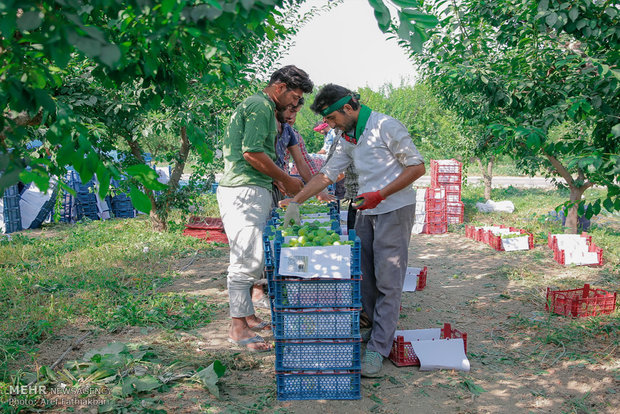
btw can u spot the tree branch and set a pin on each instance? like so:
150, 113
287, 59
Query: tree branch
561, 170
177, 172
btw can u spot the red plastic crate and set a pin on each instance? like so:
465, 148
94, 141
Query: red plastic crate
559, 255
452, 188
435, 205
422, 279
581, 302
205, 223
456, 219
446, 166
453, 197
435, 193
436, 228
402, 354
436, 216
455, 209
443, 179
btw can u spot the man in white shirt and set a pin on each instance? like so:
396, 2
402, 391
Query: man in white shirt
387, 163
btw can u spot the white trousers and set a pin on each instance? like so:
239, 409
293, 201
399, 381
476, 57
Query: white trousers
244, 212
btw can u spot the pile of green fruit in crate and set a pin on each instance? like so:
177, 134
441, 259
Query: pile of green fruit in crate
307, 209
310, 234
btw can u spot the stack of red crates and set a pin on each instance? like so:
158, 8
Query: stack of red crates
436, 219
447, 174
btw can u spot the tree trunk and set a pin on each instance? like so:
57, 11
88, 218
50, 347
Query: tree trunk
572, 218
487, 175
159, 211
576, 192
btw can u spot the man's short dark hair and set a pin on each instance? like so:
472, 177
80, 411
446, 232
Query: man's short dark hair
330, 94
293, 77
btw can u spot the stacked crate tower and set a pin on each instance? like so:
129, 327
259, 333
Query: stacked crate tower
447, 174
316, 328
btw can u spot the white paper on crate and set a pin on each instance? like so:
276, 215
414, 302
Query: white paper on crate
441, 354
516, 243
411, 279
317, 261
414, 335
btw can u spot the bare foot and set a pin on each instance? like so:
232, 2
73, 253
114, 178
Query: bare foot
257, 324
239, 331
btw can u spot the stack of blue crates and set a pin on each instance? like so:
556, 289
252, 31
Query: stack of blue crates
86, 200
316, 327
68, 204
121, 204
12, 213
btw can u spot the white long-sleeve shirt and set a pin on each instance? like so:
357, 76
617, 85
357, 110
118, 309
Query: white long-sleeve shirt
382, 152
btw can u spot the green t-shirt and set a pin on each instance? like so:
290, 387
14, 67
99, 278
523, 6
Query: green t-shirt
252, 128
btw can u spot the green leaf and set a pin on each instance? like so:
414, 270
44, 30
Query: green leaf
142, 173
110, 55
147, 383
609, 205
210, 375
573, 13
421, 19
406, 3
140, 200
551, 19
29, 21
7, 25
543, 5
167, 6
615, 130
113, 348
103, 176
382, 14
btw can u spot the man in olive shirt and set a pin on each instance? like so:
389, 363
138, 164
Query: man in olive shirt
244, 193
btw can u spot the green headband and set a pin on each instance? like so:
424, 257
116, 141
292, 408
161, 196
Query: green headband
338, 104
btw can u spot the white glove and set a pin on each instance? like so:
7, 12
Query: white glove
292, 215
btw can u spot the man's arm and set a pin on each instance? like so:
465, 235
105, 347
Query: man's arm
264, 164
406, 178
317, 184
300, 162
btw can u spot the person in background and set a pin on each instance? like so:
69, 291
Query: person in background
387, 163
244, 194
328, 137
290, 117
349, 184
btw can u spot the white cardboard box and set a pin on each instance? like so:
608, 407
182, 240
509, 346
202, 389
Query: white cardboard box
332, 262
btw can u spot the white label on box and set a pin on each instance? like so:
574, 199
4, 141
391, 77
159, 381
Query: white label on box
333, 262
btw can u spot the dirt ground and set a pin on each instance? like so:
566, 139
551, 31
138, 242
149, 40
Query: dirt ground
476, 289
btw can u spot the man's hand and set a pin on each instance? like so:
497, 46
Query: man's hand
325, 196
293, 185
292, 215
284, 203
369, 200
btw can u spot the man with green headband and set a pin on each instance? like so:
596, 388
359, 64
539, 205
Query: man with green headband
387, 163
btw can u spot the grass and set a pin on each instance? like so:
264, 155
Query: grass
102, 273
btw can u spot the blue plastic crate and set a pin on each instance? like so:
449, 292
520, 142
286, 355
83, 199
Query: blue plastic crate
269, 274
316, 324
11, 210
318, 355
319, 386
315, 293
356, 251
